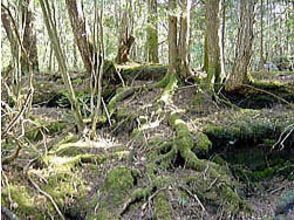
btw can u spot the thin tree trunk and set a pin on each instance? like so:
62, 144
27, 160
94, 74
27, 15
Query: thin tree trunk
95, 113
172, 38
152, 32
261, 58
51, 28
9, 31
30, 36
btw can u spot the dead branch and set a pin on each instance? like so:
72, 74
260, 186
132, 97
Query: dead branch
194, 196
19, 115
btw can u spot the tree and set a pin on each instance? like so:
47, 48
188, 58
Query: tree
239, 73
179, 39
212, 44
223, 5
6, 22
28, 52
172, 38
51, 28
78, 24
261, 58
126, 39
152, 32
184, 38
29, 36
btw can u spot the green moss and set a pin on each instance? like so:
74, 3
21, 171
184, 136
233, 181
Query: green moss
118, 182
142, 193
62, 186
25, 203
45, 126
65, 164
162, 207
121, 94
170, 82
245, 127
115, 191
143, 72
202, 142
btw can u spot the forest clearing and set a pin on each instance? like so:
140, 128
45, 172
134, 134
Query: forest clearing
147, 109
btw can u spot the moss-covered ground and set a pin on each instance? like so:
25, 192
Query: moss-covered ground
167, 153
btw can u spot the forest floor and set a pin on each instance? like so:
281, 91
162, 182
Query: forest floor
135, 169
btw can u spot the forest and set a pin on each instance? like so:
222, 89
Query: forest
147, 109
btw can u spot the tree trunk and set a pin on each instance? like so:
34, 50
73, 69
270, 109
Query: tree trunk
172, 38
184, 39
152, 32
78, 24
29, 37
212, 64
29, 42
9, 32
222, 37
239, 73
261, 59
126, 39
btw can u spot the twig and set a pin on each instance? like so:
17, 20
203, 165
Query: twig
106, 111
194, 196
120, 77
151, 197
280, 140
46, 195
273, 191
19, 115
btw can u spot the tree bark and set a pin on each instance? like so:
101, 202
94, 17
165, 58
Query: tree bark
9, 31
261, 58
172, 38
29, 43
126, 39
152, 32
78, 24
184, 39
239, 73
212, 64
222, 37
29, 37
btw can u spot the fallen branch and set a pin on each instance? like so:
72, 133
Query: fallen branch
194, 196
269, 93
